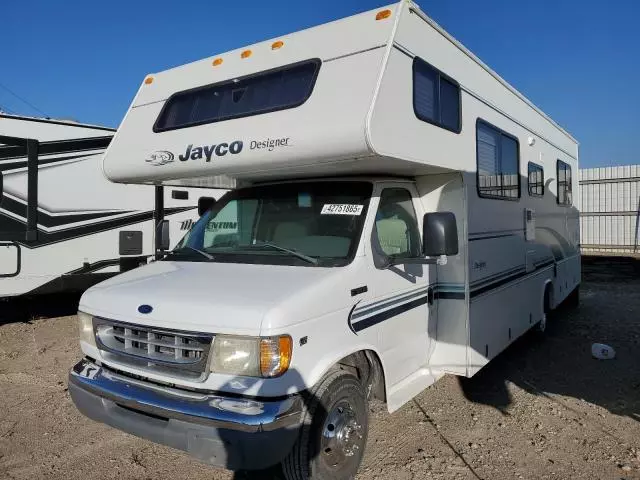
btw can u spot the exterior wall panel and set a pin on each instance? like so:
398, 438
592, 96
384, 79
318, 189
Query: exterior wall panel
610, 210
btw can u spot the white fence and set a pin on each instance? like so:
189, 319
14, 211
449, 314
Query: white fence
610, 210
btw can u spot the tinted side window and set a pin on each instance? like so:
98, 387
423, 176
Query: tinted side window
497, 163
563, 172
268, 91
436, 97
397, 230
536, 180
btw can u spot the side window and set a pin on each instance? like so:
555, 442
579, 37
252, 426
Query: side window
436, 97
498, 163
536, 180
563, 172
397, 230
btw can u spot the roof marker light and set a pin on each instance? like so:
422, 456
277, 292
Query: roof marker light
382, 14
246, 54
277, 45
148, 80
216, 62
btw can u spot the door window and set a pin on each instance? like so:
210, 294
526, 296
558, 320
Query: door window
397, 232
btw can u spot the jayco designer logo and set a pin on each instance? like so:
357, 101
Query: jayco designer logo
159, 158
207, 151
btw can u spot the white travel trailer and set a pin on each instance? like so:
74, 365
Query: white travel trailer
405, 214
63, 225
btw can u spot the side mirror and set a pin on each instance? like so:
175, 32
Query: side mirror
205, 204
163, 240
439, 234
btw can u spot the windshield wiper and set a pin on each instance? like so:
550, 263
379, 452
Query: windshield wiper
295, 253
187, 247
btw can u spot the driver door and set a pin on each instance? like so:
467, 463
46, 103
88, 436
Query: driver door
402, 293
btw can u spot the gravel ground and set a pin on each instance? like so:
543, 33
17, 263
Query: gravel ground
544, 409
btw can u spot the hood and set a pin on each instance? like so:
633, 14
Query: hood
216, 297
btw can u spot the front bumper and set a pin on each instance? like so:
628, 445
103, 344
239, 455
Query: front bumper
220, 430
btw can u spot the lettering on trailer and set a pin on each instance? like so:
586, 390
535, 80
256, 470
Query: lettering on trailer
211, 226
207, 151
186, 224
215, 226
270, 144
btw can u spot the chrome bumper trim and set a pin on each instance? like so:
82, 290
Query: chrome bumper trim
227, 412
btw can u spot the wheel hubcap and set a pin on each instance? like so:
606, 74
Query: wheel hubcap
342, 436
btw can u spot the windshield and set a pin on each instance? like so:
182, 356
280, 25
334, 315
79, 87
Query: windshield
306, 223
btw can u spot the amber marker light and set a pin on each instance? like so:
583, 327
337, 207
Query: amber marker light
275, 355
382, 14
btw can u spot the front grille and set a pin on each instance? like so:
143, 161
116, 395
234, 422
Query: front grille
182, 354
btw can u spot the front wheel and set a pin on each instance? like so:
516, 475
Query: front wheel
334, 433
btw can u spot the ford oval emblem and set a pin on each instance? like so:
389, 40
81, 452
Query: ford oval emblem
145, 309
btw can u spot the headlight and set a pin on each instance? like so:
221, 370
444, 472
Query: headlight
85, 322
251, 356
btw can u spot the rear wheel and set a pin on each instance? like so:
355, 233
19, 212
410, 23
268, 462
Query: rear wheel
541, 327
542, 324
334, 433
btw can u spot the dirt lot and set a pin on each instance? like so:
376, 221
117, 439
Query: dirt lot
542, 409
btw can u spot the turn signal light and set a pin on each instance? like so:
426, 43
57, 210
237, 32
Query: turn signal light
246, 54
382, 14
275, 355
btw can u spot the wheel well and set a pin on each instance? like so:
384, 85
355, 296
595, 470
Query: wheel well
366, 365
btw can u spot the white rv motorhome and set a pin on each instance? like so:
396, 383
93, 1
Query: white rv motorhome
405, 213
63, 225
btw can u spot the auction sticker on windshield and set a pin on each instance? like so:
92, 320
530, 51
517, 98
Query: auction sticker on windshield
341, 209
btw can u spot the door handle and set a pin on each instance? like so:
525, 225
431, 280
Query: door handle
430, 295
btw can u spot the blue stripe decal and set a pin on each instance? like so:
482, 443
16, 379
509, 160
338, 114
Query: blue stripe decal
376, 311
510, 278
366, 309
386, 314
496, 276
393, 297
409, 300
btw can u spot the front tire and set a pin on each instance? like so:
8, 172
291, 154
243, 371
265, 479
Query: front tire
334, 432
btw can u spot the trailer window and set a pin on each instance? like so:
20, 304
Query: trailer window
563, 172
436, 97
498, 163
536, 180
268, 91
